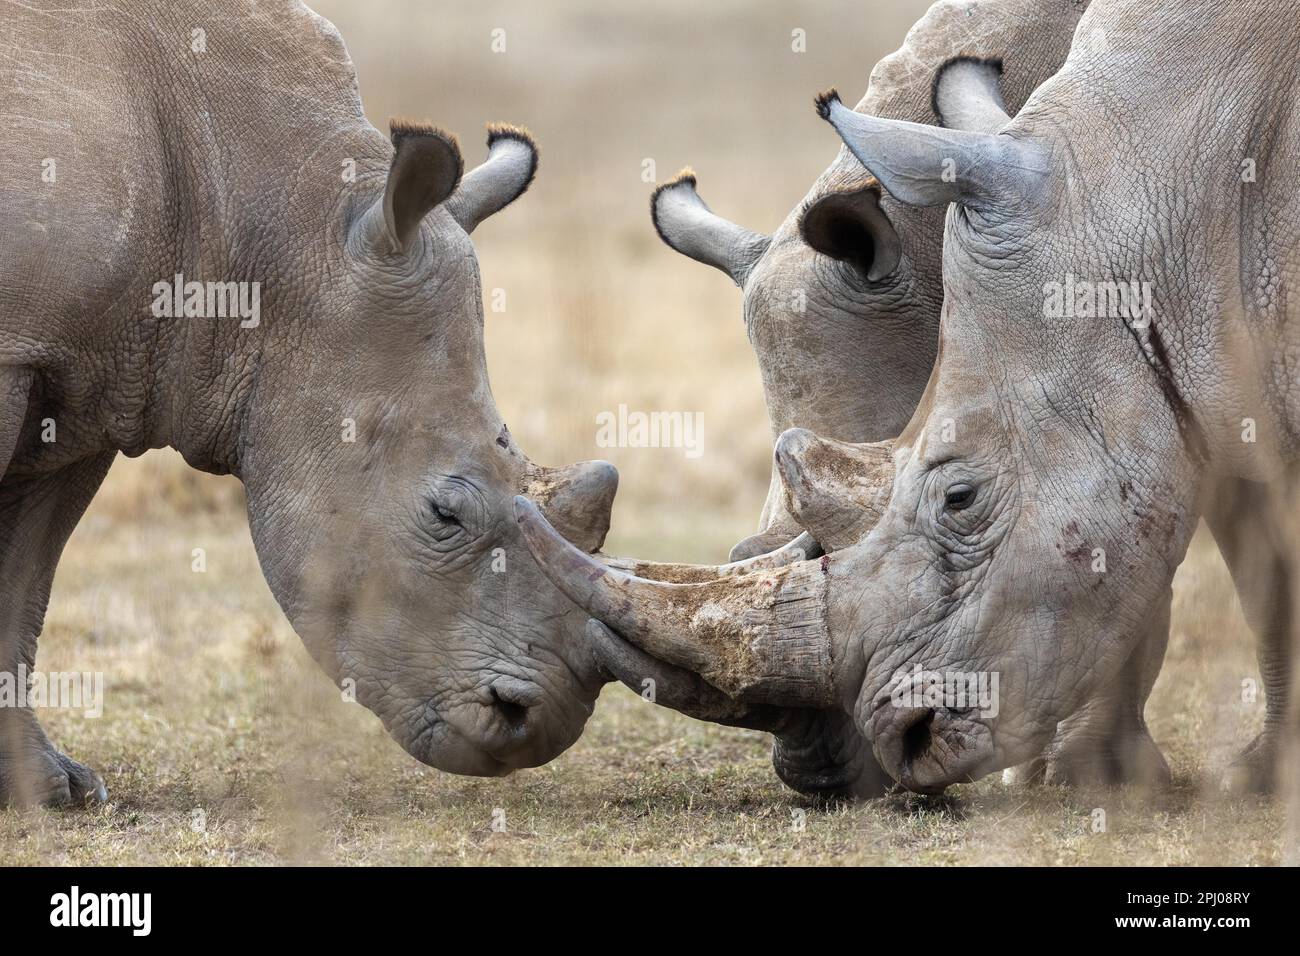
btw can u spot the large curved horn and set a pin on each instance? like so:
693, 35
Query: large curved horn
837, 490
760, 543
803, 547
762, 637
677, 688
929, 165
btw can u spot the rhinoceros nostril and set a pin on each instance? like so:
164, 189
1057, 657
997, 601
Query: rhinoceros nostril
512, 698
516, 715
916, 739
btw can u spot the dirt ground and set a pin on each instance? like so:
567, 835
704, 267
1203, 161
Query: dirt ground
222, 743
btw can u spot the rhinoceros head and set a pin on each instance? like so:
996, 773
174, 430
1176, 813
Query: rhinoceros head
380, 474
836, 307
997, 563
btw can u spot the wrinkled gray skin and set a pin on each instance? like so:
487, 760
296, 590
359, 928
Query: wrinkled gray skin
1041, 439
228, 165
865, 268
842, 308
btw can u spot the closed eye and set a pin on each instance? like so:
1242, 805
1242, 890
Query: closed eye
453, 508
443, 515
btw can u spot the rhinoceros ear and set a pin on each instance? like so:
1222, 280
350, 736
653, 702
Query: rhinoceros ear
425, 169
504, 176
967, 95
686, 224
851, 227
930, 165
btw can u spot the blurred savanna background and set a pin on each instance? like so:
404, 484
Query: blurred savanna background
222, 743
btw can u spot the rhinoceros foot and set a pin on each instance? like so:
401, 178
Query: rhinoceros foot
44, 777
1127, 756
1255, 769
1026, 774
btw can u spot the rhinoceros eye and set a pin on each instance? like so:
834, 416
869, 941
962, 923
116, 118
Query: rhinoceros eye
959, 496
442, 511
453, 507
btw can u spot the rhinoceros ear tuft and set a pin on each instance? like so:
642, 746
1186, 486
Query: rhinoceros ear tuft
850, 226
687, 225
503, 177
824, 100
425, 169
507, 134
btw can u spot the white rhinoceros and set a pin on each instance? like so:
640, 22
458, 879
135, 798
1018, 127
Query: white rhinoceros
842, 308
1027, 522
208, 247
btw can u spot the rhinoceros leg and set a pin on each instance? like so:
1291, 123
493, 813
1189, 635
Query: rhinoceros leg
15, 382
36, 517
1246, 521
1107, 743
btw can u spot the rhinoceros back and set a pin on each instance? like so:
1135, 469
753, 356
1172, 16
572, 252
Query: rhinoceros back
146, 139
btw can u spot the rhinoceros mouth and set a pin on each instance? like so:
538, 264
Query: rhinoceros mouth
927, 749
511, 724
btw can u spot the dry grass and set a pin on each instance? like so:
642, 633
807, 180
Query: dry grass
213, 705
